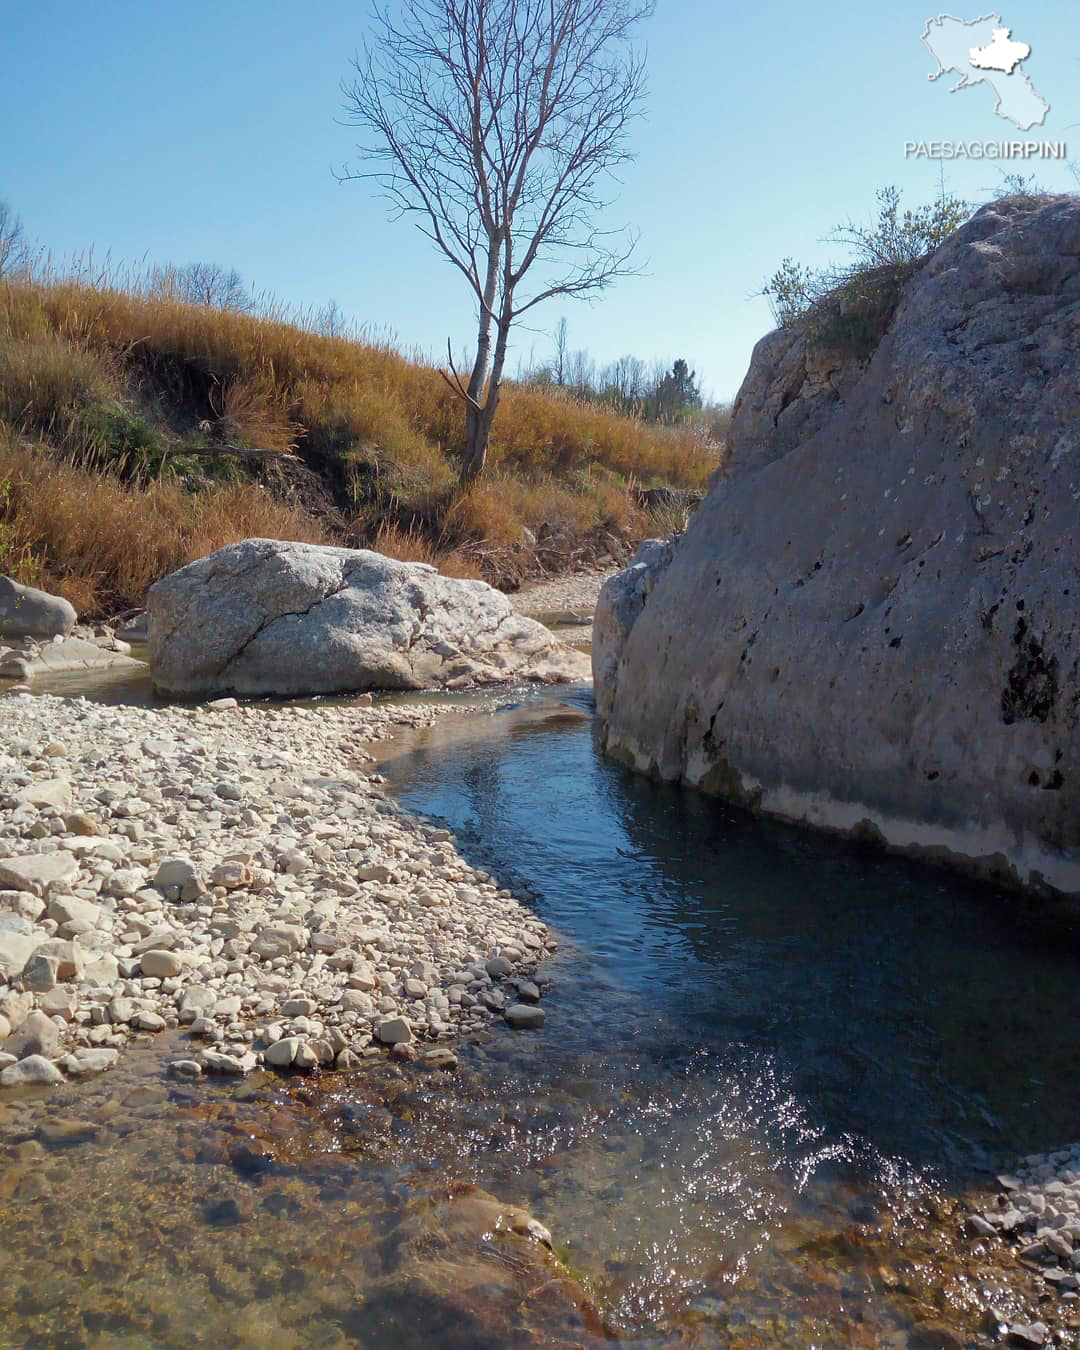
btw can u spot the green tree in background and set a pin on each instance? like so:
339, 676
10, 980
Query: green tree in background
677, 395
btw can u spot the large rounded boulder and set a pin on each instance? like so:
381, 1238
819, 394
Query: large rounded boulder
266, 617
873, 622
27, 612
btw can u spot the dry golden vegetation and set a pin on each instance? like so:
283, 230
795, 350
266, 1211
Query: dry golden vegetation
102, 542
116, 405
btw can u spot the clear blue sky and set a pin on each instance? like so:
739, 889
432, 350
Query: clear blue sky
209, 131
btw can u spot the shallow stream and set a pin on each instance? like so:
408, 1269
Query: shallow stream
771, 1060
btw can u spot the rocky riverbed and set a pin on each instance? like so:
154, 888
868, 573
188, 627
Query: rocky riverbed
1034, 1218
223, 868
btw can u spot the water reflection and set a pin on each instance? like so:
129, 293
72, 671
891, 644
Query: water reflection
905, 1006
767, 1055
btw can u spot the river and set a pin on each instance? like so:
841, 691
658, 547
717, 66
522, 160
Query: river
771, 1060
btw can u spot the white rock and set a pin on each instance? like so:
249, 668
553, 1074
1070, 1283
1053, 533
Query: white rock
70, 955
394, 1031
280, 940
179, 874
48, 792
216, 1061
306, 1056
282, 1053
39, 973
231, 875
35, 1070
38, 1035
26, 611
16, 949
262, 616
79, 916
161, 963
87, 1060
36, 872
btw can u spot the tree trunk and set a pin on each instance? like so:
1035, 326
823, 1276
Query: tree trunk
477, 436
477, 416
478, 420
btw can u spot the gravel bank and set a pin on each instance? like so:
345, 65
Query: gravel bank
1036, 1213
221, 867
561, 595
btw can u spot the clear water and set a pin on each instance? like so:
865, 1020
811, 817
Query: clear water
770, 1062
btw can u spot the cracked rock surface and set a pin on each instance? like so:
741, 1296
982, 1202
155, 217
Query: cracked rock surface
266, 617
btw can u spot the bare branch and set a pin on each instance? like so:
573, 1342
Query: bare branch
455, 383
13, 248
496, 124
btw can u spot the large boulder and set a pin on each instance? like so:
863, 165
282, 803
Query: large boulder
266, 617
873, 623
28, 612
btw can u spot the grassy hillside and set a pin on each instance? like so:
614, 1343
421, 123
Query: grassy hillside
115, 406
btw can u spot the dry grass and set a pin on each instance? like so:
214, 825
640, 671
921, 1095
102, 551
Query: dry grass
101, 543
497, 510
121, 386
268, 379
412, 546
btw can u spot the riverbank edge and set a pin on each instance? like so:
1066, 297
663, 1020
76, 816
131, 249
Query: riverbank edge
333, 959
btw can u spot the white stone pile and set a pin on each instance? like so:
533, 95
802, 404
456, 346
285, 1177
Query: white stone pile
84, 649
1037, 1211
222, 868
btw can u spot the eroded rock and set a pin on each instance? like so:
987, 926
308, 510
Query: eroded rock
871, 623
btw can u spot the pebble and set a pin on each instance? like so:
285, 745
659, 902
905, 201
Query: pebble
394, 1031
226, 872
282, 1053
57, 1133
161, 963
1037, 1213
33, 1070
87, 1060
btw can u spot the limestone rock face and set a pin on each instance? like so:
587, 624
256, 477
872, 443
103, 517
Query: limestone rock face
265, 617
873, 622
28, 612
622, 598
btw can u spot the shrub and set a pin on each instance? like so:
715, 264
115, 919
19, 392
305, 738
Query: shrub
113, 435
849, 308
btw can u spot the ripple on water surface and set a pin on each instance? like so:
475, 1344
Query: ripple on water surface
769, 1058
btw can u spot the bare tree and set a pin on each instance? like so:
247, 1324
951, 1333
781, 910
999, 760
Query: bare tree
561, 352
623, 381
12, 241
580, 371
202, 284
497, 123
